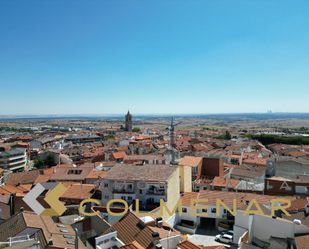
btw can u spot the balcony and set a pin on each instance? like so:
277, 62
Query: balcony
155, 192
125, 191
13, 157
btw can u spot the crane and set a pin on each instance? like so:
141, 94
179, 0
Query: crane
171, 129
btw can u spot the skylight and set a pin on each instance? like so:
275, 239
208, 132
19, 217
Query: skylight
68, 236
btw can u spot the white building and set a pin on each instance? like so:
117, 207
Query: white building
13, 159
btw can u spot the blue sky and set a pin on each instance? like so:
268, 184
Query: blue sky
153, 56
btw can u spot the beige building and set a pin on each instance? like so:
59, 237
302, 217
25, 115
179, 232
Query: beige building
148, 183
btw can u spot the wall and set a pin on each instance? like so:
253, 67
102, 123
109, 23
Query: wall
171, 242
187, 187
98, 224
212, 167
262, 227
288, 168
277, 187
173, 194
172, 221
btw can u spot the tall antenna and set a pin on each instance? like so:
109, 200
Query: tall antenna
172, 128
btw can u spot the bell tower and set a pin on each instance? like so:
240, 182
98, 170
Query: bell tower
128, 122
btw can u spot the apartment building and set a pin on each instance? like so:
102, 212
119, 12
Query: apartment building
83, 139
148, 183
285, 166
296, 185
13, 158
266, 231
207, 212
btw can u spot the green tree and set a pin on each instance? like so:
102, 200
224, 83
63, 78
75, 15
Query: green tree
228, 135
136, 129
50, 159
39, 163
111, 137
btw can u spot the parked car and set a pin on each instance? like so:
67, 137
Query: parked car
225, 238
229, 232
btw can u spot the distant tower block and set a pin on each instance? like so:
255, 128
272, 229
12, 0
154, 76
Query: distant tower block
128, 122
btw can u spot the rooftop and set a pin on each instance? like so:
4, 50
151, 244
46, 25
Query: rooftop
145, 172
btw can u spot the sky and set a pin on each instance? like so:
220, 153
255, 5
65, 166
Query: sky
153, 56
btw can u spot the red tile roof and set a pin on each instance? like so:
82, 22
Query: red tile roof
119, 155
191, 161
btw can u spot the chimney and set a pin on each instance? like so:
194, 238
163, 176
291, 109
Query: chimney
155, 236
81, 185
307, 209
50, 242
159, 222
159, 246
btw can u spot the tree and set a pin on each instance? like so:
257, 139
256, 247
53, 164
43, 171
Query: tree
39, 163
111, 137
228, 135
136, 129
50, 159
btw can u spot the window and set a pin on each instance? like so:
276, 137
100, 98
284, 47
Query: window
130, 186
106, 197
161, 187
204, 210
105, 185
73, 202
70, 242
129, 198
58, 225
213, 210
224, 211
140, 191
184, 210
64, 231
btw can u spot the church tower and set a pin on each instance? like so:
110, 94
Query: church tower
128, 122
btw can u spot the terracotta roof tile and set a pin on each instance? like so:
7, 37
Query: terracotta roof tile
79, 191
119, 155
298, 204
223, 182
187, 244
95, 174
191, 161
27, 177
132, 245
187, 196
302, 241
146, 172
